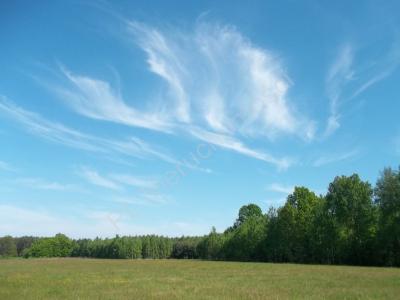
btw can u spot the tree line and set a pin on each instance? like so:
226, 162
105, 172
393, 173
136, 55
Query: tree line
353, 223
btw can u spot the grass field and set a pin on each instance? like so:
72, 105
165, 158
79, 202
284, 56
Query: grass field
188, 279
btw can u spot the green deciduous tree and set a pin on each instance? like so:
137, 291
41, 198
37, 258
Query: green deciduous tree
246, 212
290, 230
7, 246
210, 247
387, 197
58, 246
352, 215
244, 242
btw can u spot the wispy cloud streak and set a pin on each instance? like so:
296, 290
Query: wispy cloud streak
52, 131
95, 178
218, 82
134, 181
388, 64
280, 188
324, 160
59, 133
340, 73
42, 184
144, 199
96, 99
348, 78
233, 144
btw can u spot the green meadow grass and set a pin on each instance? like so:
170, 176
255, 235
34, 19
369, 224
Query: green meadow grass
71, 278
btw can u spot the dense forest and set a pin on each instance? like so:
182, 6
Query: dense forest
353, 223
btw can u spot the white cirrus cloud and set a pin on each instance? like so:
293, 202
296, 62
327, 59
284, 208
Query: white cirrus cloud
349, 77
116, 181
96, 99
52, 131
61, 134
135, 181
231, 143
333, 158
144, 199
280, 188
339, 75
377, 72
42, 184
218, 81
218, 78
95, 178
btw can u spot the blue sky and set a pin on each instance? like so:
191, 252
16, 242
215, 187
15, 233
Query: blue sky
166, 117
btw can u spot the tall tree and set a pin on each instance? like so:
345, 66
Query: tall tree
210, 247
293, 226
350, 207
246, 212
245, 241
387, 197
7, 246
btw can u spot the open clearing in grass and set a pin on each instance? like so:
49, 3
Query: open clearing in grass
71, 278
